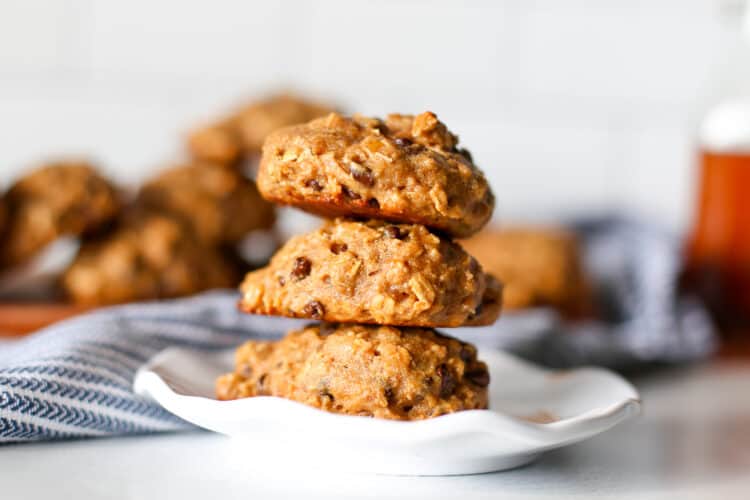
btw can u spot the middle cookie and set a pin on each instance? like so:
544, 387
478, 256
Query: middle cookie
374, 272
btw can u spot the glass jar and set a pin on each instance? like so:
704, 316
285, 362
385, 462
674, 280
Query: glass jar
718, 247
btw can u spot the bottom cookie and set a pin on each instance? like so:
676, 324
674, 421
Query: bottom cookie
374, 371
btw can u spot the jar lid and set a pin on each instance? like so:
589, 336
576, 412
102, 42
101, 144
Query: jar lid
726, 127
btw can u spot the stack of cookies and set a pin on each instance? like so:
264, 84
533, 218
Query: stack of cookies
379, 275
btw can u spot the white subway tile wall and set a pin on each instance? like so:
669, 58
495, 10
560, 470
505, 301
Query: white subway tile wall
569, 106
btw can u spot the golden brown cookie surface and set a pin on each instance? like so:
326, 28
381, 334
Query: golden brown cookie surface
376, 371
491, 305
218, 203
538, 266
370, 272
244, 132
218, 142
148, 257
404, 169
60, 199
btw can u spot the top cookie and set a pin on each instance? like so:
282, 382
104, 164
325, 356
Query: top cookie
403, 169
243, 132
56, 200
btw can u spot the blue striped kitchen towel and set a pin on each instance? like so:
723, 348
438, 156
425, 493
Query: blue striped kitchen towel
74, 379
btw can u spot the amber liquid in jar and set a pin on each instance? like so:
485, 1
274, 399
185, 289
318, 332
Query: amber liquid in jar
718, 249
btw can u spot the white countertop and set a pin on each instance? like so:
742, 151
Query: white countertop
693, 441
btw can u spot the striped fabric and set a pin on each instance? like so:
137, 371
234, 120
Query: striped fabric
74, 378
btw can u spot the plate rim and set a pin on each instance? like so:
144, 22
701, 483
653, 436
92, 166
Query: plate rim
537, 436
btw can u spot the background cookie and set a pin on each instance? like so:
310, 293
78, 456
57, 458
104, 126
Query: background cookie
369, 272
219, 142
538, 266
375, 371
59, 199
405, 169
243, 132
149, 256
217, 202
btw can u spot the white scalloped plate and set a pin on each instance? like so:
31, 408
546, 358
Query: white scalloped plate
531, 410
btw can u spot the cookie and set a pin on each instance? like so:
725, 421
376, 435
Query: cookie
150, 256
538, 267
60, 199
404, 169
243, 133
218, 142
371, 272
219, 204
374, 371
491, 305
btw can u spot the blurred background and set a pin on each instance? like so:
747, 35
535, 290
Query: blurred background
575, 110
603, 97
615, 135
